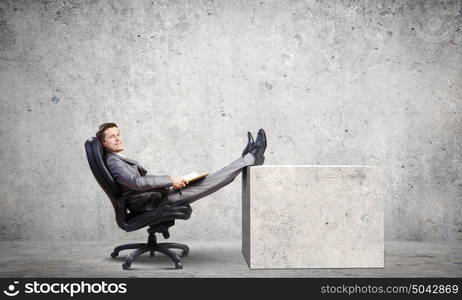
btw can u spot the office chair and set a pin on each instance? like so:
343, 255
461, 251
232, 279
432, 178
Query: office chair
158, 220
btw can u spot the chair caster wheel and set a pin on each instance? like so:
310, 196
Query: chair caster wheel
114, 255
126, 265
178, 265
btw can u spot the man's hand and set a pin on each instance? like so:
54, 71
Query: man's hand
178, 182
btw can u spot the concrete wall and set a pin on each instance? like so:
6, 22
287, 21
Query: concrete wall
350, 82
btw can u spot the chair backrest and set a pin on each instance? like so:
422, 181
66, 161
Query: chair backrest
95, 156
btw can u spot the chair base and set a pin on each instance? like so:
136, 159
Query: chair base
152, 246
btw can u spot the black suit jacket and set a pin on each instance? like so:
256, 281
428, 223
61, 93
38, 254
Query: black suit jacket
134, 182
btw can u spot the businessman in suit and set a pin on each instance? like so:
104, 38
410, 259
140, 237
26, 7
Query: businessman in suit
142, 190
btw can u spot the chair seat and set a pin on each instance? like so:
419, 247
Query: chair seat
149, 216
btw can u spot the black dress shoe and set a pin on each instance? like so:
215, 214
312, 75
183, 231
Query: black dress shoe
249, 145
259, 148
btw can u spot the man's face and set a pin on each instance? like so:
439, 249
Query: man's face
113, 140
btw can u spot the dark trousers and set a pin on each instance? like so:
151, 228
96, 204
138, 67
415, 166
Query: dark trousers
212, 183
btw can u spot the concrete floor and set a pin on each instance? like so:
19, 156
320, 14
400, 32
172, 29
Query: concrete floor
210, 259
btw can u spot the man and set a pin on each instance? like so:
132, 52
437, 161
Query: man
141, 188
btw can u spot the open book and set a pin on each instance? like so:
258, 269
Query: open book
193, 176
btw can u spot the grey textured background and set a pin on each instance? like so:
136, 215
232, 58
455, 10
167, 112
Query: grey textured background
350, 82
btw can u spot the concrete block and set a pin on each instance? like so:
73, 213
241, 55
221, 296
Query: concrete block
313, 216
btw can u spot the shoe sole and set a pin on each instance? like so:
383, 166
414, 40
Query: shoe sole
248, 147
260, 158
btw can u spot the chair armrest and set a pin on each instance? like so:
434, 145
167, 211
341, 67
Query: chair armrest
122, 208
121, 212
163, 202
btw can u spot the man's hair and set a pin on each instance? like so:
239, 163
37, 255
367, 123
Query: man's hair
102, 128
